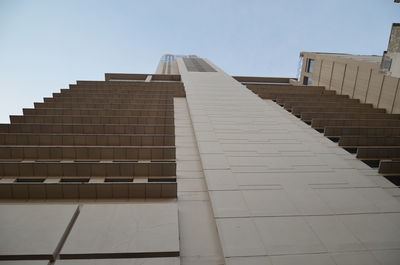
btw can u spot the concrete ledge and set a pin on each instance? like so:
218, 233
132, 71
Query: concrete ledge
82, 191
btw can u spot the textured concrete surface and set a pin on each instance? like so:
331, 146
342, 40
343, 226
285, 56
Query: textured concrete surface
147, 261
124, 230
33, 230
199, 240
281, 193
24, 262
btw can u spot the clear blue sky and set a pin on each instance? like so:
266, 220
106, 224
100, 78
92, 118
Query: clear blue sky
46, 44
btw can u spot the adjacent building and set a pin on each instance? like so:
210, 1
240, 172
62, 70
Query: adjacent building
369, 78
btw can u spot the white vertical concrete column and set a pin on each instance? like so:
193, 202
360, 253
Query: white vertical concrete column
281, 193
197, 228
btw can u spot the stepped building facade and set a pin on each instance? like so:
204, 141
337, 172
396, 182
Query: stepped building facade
193, 166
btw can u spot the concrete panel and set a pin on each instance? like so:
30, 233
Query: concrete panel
228, 204
264, 260
198, 237
124, 230
349, 80
334, 234
337, 77
374, 88
33, 231
214, 161
387, 257
375, 231
368, 200
239, 237
317, 72
269, 203
24, 262
147, 261
326, 73
220, 180
388, 93
355, 258
396, 104
307, 259
199, 241
362, 82
191, 185
288, 235
306, 199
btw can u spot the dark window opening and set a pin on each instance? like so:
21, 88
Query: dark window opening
74, 180
307, 81
29, 180
310, 65
86, 161
162, 180
118, 180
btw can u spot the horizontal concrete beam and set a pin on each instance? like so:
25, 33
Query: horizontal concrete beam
379, 152
78, 191
308, 116
322, 123
87, 128
364, 131
300, 110
87, 152
355, 141
111, 93
97, 112
147, 100
86, 139
330, 104
313, 97
389, 167
87, 169
262, 79
73, 105
78, 119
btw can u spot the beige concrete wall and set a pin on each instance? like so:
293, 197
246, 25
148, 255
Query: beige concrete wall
280, 192
361, 87
338, 72
349, 79
199, 241
388, 92
374, 88
355, 76
325, 74
101, 231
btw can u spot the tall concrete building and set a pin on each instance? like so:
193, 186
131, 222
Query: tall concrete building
193, 166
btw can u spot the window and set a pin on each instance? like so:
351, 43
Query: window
74, 180
307, 81
118, 180
161, 180
310, 65
29, 180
